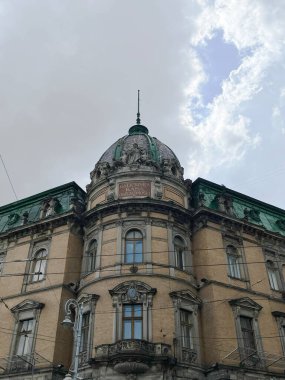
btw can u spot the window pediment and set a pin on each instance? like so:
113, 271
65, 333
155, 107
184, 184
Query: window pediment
246, 303
27, 305
187, 296
125, 288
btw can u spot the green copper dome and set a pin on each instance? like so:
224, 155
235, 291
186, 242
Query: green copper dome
138, 146
137, 152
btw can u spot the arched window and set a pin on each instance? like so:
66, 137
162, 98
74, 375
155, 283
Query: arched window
134, 247
91, 256
179, 248
273, 275
233, 261
39, 265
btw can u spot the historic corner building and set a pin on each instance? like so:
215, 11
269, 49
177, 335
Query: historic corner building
173, 279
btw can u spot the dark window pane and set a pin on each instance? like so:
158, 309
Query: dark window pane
247, 333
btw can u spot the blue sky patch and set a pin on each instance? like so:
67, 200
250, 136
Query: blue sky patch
219, 59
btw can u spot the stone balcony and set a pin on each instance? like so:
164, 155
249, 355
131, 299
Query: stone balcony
133, 355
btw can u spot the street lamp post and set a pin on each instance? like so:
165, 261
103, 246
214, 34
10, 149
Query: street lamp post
77, 328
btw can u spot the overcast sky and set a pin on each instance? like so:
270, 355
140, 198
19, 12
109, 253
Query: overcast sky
211, 75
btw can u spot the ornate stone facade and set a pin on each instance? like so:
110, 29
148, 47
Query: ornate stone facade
174, 279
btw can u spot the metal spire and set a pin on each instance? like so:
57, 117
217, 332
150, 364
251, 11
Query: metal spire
138, 114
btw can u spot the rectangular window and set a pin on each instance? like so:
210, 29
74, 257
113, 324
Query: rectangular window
186, 329
247, 334
272, 274
132, 322
85, 332
24, 337
234, 266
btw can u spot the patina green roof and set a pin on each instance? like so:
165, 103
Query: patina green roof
138, 134
11, 215
271, 218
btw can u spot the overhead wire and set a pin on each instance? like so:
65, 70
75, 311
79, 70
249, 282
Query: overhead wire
8, 176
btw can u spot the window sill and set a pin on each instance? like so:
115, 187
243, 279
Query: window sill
237, 278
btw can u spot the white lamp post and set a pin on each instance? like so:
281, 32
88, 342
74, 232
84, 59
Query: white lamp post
77, 327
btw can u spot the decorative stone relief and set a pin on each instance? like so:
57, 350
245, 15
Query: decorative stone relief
50, 206
201, 199
171, 167
158, 188
131, 367
253, 214
76, 205
25, 217
101, 171
225, 203
111, 190
281, 224
13, 218
134, 155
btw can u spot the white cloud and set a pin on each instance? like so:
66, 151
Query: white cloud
224, 135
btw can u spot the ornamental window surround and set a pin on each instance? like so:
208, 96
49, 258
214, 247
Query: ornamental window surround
132, 301
22, 349
88, 301
246, 312
186, 308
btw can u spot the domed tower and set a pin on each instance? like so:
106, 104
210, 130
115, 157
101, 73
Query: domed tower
139, 295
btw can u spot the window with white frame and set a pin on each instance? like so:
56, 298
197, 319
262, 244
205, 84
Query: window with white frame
134, 246
186, 322
91, 256
39, 264
132, 321
179, 248
36, 267
85, 332
132, 301
186, 306
88, 302
246, 313
22, 351
234, 262
273, 275
25, 337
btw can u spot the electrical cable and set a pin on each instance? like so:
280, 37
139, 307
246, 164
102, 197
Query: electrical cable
10, 181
